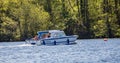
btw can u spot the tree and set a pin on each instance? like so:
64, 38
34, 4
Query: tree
117, 10
85, 16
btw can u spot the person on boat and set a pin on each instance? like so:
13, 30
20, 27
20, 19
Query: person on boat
49, 35
46, 35
36, 37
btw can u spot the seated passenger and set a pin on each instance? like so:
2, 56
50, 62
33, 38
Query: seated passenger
46, 35
49, 35
36, 37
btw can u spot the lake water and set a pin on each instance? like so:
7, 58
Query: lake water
85, 51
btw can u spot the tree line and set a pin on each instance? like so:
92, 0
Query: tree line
21, 19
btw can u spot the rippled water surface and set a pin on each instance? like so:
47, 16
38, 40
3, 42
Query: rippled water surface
85, 51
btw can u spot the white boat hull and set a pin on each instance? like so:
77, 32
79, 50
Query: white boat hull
53, 41
52, 37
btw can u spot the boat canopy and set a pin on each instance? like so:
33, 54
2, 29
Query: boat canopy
54, 33
40, 33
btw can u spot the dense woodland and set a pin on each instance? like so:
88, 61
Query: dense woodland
21, 19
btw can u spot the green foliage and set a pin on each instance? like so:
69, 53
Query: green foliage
99, 28
117, 32
21, 19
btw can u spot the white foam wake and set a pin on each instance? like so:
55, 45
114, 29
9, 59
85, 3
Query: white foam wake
21, 45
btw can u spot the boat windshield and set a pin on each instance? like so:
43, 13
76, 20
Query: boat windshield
57, 34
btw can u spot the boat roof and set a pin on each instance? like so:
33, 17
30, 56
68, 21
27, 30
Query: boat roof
55, 31
49, 31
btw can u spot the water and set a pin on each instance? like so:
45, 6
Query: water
85, 51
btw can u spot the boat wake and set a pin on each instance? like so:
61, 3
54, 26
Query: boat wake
21, 45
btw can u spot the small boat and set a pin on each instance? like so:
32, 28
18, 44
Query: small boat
52, 37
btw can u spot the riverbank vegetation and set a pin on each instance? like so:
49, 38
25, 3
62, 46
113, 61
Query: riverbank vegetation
21, 19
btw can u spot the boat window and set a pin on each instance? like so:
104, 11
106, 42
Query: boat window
58, 34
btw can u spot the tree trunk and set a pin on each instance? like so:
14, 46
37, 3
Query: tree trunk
117, 4
63, 9
85, 14
106, 10
78, 6
25, 33
49, 10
